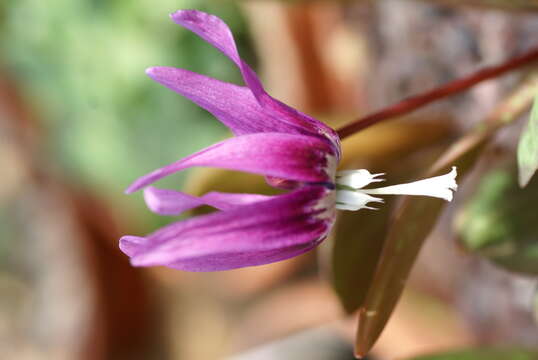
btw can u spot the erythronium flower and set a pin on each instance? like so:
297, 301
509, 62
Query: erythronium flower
292, 150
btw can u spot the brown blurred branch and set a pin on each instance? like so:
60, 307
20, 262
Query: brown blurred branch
412, 103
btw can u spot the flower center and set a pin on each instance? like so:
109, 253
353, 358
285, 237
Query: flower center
351, 195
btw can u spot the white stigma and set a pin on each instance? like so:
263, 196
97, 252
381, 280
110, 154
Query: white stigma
351, 194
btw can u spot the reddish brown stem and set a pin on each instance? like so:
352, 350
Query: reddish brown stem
412, 103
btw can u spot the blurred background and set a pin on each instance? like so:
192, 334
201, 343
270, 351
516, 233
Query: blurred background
79, 120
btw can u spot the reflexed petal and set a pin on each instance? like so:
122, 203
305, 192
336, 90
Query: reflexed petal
172, 202
233, 105
254, 234
213, 30
293, 157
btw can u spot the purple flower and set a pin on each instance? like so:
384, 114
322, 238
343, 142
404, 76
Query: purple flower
292, 150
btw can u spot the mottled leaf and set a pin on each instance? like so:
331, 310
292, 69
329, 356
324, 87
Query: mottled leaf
396, 148
412, 222
356, 252
416, 216
527, 151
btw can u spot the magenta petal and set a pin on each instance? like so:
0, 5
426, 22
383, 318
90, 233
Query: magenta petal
293, 157
214, 31
227, 201
130, 244
240, 259
233, 105
172, 202
169, 202
287, 113
253, 234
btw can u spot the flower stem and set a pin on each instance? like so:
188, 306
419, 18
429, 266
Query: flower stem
412, 103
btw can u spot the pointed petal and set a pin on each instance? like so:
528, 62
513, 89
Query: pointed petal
293, 157
214, 31
172, 202
253, 234
233, 105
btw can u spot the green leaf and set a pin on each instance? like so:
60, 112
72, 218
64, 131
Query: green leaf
527, 151
500, 222
484, 354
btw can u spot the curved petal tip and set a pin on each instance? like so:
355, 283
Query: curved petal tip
151, 71
129, 244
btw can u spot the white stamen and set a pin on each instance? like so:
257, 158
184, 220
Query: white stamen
357, 179
353, 197
354, 200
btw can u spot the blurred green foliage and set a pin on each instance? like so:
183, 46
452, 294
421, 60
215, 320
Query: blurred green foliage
81, 64
5, 232
527, 151
484, 354
503, 4
500, 222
